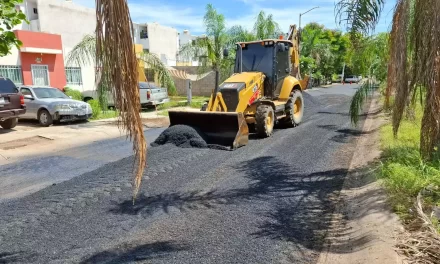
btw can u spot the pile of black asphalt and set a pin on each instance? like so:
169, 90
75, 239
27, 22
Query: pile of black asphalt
185, 137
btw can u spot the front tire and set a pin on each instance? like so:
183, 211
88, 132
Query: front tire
204, 107
9, 123
45, 118
294, 109
265, 121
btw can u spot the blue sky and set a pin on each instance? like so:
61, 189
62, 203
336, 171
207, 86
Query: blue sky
189, 14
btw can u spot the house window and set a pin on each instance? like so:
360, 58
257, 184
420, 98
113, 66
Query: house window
12, 72
74, 76
149, 73
35, 11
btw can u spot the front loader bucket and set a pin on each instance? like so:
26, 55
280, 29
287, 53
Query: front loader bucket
219, 128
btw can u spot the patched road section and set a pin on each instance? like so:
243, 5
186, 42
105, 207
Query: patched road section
268, 202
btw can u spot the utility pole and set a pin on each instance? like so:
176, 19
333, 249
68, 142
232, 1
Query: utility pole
343, 73
299, 36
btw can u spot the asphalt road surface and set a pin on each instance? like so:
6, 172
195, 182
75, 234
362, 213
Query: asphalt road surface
268, 202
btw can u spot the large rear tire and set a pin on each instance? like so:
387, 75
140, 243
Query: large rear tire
265, 121
9, 123
294, 109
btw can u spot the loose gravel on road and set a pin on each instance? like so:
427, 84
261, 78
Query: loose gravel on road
268, 202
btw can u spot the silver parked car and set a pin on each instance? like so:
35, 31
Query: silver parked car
48, 105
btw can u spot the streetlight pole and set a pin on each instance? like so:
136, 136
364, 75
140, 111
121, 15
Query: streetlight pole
300, 14
299, 33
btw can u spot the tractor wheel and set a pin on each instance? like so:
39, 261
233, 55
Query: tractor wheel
251, 128
294, 110
265, 120
204, 107
9, 123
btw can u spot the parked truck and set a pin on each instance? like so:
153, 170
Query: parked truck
12, 104
150, 95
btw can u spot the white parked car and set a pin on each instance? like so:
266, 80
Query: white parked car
150, 95
353, 79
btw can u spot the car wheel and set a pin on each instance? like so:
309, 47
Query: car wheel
9, 123
45, 118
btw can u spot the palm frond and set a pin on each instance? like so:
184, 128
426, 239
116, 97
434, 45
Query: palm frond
426, 71
116, 57
358, 100
359, 16
154, 63
398, 71
83, 53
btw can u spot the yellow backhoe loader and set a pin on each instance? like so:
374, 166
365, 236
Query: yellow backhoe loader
265, 89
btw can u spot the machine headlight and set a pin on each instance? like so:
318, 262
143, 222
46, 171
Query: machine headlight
62, 107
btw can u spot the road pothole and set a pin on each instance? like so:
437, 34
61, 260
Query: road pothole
24, 142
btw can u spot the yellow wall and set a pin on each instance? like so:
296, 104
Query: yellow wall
138, 48
183, 63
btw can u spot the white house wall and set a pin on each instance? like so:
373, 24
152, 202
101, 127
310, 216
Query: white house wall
87, 72
11, 59
162, 41
67, 19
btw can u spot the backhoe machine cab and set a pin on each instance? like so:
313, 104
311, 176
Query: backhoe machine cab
264, 90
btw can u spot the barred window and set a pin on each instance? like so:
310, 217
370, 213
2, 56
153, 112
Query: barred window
74, 76
12, 72
149, 73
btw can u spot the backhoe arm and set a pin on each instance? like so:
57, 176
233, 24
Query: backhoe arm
294, 51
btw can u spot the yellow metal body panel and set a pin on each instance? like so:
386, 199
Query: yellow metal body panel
218, 105
288, 84
253, 90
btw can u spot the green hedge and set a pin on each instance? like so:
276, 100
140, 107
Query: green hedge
75, 94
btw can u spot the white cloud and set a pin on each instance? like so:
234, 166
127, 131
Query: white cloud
187, 18
288, 16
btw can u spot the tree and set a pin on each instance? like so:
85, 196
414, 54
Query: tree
323, 50
208, 49
414, 59
265, 27
9, 17
84, 53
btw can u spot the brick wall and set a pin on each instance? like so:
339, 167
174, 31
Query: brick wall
202, 87
187, 69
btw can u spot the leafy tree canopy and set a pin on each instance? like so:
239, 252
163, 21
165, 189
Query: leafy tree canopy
9, 17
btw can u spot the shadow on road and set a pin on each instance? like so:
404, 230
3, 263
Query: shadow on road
304, 202
129, 254
346, 134
373, 114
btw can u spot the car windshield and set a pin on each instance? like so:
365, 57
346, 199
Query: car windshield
49, 93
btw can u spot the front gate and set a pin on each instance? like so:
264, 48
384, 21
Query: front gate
40, 75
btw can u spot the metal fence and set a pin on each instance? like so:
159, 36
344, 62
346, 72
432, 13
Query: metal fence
12, 72
74, 76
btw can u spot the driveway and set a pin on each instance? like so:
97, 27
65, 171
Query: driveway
268, 202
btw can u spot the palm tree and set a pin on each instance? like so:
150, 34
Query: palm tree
84, 54
208, 48
265, 27
414, 59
